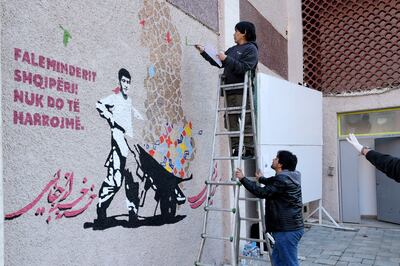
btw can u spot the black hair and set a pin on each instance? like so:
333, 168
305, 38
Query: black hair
248, 29
123, 73
287, 159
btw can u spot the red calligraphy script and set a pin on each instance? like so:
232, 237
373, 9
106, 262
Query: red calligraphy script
59, 190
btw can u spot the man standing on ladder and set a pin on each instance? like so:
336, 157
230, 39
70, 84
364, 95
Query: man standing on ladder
236, 61
240, 58
283, 206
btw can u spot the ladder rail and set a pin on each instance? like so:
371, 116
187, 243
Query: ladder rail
262, 229
247, 94
211, 171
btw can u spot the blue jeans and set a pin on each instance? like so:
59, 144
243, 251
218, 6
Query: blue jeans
284, 252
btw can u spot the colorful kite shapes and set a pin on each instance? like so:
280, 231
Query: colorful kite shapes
174, 149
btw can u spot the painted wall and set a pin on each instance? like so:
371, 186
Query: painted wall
1, 163
62, 150
331, 107
281, 38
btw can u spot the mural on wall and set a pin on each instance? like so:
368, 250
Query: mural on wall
162, 164
117, 110
157, 168
54, 103
163, 84
59, 190
49, 94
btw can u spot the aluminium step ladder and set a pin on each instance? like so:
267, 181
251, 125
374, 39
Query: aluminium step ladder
239, 131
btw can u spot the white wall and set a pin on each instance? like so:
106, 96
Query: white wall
367, 182
293, 123
1, 160
295, 42
276, 12
231, 18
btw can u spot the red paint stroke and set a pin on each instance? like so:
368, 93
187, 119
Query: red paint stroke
56, 191
195, 198
168, 37
199, 199
40, 211
70, 205
141, 22
69, 214
198, 203
36, 200
117, 90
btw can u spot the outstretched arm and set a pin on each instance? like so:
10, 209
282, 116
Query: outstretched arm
386, 163
103, 106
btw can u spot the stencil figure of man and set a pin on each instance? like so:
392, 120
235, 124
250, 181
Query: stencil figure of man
117, 109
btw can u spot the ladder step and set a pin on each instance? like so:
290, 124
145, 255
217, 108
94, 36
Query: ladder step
223, 183
253, 258
233, 133
225, 238
235, 108
233, 85
226, 158
253, 239
230, 133
249, 199
216, 209
198, 263
250, 219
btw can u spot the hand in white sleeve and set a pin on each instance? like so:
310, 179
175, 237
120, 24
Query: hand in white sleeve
353, 141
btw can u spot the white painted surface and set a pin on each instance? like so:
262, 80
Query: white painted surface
309, 165
231, 18
367, 182
1, 166
290, 118
295, 42
291, 114
276, 12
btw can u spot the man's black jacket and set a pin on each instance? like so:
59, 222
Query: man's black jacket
283, 205
387, 164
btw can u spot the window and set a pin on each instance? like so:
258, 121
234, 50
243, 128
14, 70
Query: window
370, 123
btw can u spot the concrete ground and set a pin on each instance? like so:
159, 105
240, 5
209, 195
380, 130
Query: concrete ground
371, 243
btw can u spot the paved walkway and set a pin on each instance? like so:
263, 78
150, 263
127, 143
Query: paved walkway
365, 246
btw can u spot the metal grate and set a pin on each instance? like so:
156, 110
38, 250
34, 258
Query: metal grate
351, 45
